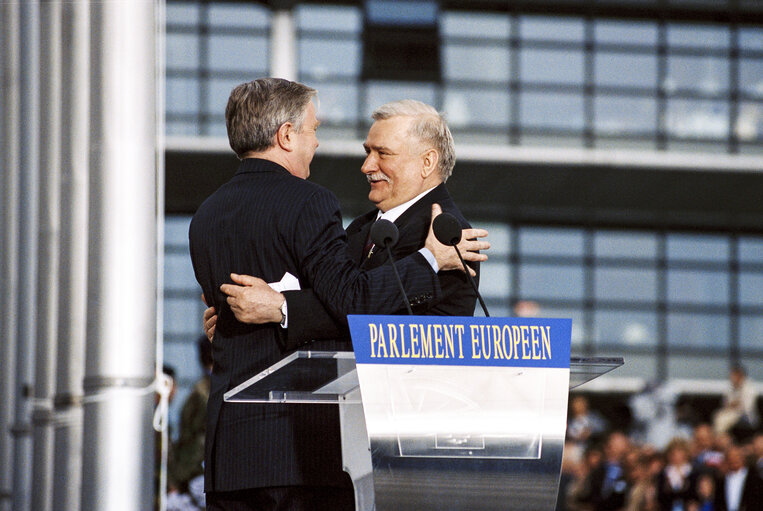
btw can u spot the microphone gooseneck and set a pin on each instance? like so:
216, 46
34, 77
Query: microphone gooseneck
447, 230
385, 234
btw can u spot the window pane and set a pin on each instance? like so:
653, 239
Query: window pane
337, 104
550, 281
625, 284
486, 108
751, 250
238, 53
470, 24
698, 330
238, 15
182, 95
550, 241
323, 59
320, 17
626, 32
751, 77
698, 287
551, 66
551, 110
178, 271
691, 247
615, 115
697, 119
751, 289
468, 63
379, 93
182, 51
625, 244
751, 38
708, 75
578, 325
751, 331
495, 280
619, 69
749, 126
551, 28
176, 229
217, 94
626, 328
698, 36
184, 13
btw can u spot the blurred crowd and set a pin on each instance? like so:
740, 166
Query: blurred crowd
713, 465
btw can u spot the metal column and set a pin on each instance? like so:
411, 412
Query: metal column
72, 320
27, 251
48, 257
283, 45
9, 155
121, 333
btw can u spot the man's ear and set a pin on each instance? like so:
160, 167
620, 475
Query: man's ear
430, 160
285, 136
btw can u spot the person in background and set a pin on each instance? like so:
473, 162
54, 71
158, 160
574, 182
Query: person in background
704, 499
738, 414
583, 423
741, 488
675, 484
186, 474
706, 455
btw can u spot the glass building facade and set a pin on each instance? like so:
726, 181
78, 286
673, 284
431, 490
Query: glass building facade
676, 302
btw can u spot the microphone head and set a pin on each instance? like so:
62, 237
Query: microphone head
447, 229
384, 233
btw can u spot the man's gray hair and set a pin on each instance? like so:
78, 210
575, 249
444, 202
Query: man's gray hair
258, 108
428, 126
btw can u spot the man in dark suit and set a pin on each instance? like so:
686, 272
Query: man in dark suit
410, 155
266, 221
740, 488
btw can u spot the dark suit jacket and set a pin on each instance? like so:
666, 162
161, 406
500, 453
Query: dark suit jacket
752, 492
265, 222
309, 319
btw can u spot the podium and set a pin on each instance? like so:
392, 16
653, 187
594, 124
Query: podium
442, 413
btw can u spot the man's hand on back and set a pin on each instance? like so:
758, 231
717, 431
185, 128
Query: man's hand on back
252, 300
446, 256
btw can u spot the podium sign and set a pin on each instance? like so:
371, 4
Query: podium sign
463, 413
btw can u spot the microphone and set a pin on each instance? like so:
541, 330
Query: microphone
384, 234
447, 230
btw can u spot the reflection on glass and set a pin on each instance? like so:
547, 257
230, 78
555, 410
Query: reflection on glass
626, 32
488, 108
472, 24
625, 70
751, 38
616, 115
751, 289
551, 241
551, 28
551, 110
578, 325
342, 19
698, 330
551, 281
698, 287
323, 59
468, 63
237, 53
695, 35
337, 103
625, 284
751, 77
708, 75
551, 66
641, 245
698, 247
626, 328
697, 119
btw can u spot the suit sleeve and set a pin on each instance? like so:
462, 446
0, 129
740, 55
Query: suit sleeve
320, 248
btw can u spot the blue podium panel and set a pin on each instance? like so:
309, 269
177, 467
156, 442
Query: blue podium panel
463, 413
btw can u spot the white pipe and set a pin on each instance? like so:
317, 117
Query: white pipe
283, 45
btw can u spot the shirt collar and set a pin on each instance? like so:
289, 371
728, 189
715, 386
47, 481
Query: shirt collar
394, 213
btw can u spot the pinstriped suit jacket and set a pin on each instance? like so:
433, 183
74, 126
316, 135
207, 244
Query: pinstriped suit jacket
265, 222
309, 320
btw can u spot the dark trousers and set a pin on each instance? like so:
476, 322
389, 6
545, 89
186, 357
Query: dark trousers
283, 498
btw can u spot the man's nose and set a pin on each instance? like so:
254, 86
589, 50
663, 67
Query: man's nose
369, 165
